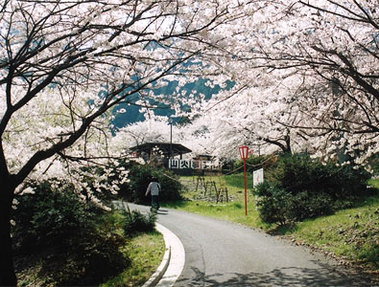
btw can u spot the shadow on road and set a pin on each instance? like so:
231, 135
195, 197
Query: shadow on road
289, 276
162, 211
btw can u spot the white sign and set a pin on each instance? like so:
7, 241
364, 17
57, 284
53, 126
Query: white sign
175, 163
257, 177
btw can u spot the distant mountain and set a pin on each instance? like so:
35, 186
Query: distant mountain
131, 112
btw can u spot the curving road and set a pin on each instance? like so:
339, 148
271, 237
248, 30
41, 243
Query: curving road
218, 253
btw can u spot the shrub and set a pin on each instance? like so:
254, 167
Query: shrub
304, 205
136, 222
49, 217
253, 163
140, 177
276, 205
61, 229
88, 258
273, 203
299, 188
300, 173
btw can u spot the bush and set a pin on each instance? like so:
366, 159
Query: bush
299, 188
49, 217
62, 230
276, 205
304, 205
140, 177
300, 173
136, 222
273, 203
88, 258
254, 163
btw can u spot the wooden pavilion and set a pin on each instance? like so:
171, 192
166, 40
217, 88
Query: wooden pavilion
166, 150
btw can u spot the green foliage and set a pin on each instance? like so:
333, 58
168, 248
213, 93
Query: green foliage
57, 223
253, 163
299, 187
140, 177
309, 205
136, 222
273, 203
49, 217
374, 183
237, 205
236, 180
89, 257
276, 205
112, 222
349, 233
300, 173
374, 163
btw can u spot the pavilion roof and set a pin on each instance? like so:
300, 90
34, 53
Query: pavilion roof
177, 149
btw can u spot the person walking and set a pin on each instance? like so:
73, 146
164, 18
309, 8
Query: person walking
154, 188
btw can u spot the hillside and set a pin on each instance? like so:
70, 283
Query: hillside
131, 112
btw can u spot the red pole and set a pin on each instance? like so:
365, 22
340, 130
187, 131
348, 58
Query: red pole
244, 153
244, 181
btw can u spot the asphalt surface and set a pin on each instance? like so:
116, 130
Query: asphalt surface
219, 253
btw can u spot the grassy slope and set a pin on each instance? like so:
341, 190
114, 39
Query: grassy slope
351, 234
146, 253
233, 210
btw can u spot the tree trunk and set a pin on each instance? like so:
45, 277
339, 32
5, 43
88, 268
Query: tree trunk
7, 272
285, 147
288, 149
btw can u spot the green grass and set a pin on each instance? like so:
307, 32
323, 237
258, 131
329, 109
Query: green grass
146, 253
143, 251
236, 180
233, 211
374, 183
230, 211
350, 234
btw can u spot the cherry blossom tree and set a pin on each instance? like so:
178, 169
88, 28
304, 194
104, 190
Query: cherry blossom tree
252, 117
306, 74
333, 46
306, 79
65, 64
155, 129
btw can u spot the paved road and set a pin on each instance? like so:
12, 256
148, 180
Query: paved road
219, 253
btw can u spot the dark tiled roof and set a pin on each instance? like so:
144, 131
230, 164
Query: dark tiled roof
177, 149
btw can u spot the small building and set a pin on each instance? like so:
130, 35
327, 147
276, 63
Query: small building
170, 156
160, 152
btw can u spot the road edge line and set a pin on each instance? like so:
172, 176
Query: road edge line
177, 259
162, 268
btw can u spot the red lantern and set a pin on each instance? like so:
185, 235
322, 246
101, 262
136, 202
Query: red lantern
244, 152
